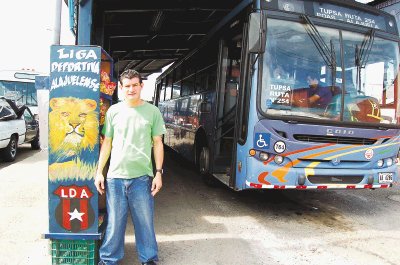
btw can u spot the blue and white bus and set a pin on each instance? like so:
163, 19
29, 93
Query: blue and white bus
19, 86
289, 94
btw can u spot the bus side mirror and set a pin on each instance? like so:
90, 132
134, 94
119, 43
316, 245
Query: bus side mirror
256, 39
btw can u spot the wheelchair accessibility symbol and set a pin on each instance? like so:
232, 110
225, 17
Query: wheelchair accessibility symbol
261, 140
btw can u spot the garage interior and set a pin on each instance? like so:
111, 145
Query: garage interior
148, 35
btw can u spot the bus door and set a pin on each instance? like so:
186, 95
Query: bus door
229, 72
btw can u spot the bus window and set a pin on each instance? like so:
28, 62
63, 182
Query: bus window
370, 94
19, 86
31, 98
201, 81
160, 92
176, 90
168, 87
178, 74
188, 86
206, 76
232, 74
298, 77
212, 77
20, 92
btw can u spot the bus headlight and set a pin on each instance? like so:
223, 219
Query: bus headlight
278, 159
389, 162
263, 156
380, 163
398, 157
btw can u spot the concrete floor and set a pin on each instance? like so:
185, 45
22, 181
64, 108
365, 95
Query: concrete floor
200, 225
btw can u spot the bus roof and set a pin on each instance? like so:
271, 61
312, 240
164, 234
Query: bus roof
19, 75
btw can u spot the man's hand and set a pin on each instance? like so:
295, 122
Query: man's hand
156, 184
99, 183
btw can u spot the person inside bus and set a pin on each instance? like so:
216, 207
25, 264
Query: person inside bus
318, 96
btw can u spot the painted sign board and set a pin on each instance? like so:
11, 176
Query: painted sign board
74, 106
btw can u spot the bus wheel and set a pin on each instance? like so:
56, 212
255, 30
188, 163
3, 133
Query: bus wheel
204, 166
10, 152
199, 143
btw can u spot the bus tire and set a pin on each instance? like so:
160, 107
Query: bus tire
204, 161
10, 152
204, 167
200, 142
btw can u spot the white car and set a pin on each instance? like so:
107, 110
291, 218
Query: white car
17, 126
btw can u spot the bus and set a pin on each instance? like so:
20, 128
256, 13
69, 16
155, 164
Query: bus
19, 86
289, 94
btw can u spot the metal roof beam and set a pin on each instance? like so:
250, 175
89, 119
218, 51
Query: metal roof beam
158, 35
143, 64
157, 21
164, 10
158, 70
123, 6
129, 31
133, 44
154, 54
153, 57
160, 50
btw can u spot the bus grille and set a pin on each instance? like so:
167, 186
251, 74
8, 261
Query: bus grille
333, 139
321, 179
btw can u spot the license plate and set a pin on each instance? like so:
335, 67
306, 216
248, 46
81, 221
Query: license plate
385, 177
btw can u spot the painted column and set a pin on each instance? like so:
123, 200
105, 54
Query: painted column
74, 107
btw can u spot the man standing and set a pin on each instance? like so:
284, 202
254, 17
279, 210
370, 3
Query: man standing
131, 128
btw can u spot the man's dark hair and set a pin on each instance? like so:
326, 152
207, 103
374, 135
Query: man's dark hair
129, 74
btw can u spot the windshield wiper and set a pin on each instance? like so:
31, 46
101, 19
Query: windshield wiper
333, 56
328, 54
362, 53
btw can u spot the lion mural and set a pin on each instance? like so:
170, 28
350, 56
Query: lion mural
73, 128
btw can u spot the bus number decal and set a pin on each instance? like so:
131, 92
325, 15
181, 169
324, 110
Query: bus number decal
279, 147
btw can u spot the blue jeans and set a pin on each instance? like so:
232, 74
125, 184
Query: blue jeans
133, 195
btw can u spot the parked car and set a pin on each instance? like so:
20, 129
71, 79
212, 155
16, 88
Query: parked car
17, 126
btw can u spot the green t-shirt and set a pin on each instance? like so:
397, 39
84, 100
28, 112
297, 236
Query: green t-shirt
131, 130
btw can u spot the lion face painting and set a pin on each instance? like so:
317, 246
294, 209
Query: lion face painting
74, 127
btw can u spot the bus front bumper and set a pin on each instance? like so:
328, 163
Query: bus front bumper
262, 175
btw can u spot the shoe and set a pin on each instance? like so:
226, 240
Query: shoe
149, 263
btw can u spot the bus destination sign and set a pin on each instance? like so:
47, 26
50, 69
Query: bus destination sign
348, 15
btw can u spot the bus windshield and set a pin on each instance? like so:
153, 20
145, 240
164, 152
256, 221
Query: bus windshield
19, 86
20, 92
304, 74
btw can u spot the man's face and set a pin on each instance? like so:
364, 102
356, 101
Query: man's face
312, 82
132, 88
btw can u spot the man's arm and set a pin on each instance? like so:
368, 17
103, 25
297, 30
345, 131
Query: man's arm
159, 159
313, 99
104, 155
